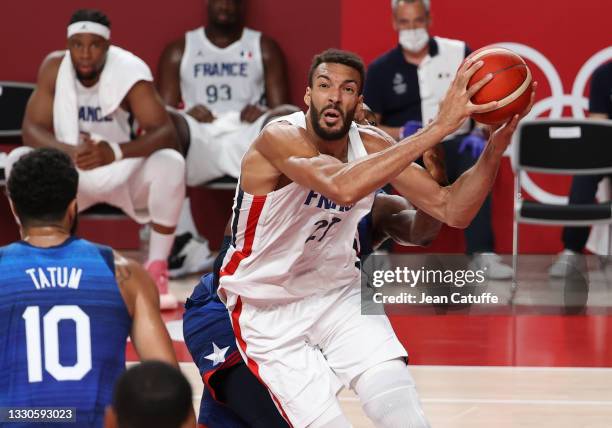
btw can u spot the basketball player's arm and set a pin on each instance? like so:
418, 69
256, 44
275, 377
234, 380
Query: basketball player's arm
149, 334
599, 116
276, 90
275, 70
169, 81
169, 73
393, 217
287, 148
37, 128
458, 204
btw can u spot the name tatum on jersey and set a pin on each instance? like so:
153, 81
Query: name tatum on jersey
51, 277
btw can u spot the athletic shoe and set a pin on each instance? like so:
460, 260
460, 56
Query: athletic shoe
189, 255
158, 269
492, 266
567, 261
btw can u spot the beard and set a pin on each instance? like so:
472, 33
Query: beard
84, 77
327, 135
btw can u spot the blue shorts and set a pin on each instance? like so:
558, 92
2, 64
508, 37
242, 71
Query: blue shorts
210, 339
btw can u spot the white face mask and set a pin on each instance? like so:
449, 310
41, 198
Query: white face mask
413, 40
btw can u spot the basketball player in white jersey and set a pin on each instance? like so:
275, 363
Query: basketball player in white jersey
224, 77
83, 106
289, 278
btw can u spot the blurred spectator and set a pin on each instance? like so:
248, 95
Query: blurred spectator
85, 103
404, 87
584, 187
151, 394
224, 77
67, 305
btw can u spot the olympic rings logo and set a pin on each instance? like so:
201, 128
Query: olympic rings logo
557, 101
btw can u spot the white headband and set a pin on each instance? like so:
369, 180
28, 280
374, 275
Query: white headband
89, 27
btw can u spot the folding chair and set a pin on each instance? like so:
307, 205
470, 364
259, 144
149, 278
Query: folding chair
560, 146
14, 97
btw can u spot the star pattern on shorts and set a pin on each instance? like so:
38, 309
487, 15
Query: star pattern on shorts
218, 355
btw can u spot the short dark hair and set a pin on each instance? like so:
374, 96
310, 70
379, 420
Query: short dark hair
42, 185
92, 15
152, 394
337, 56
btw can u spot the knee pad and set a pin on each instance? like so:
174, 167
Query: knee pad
331, 418
388, 396
168, 165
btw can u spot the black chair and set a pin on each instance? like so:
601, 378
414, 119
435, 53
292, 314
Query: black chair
561, 146
224, 183
14, 97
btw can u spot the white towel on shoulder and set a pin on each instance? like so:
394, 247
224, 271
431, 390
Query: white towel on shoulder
121, 71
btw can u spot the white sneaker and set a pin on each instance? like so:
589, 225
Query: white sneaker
492, 266
567, 261
189, 255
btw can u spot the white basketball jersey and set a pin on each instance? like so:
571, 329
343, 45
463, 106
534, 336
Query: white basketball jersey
435, 77
222, 79
292, 242
114, 128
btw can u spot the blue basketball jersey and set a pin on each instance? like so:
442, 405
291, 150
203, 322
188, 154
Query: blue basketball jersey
65, 327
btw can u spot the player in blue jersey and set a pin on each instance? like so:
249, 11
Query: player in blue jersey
67, 306
233, 397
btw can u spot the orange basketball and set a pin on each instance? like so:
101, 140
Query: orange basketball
511, 84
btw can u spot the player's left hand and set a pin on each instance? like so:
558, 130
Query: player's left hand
251, 113
501, 135
92, 154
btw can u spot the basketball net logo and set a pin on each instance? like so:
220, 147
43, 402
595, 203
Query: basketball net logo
557, 101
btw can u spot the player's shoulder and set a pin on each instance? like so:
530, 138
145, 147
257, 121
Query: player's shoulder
176, 46
284, 139
269, 46
282, 130
374, 139
173, 52
51, 64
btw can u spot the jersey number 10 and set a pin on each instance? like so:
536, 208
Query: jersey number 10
51, 339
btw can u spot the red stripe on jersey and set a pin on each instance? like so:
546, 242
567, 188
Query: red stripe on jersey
249, 236
232, 360
251, 364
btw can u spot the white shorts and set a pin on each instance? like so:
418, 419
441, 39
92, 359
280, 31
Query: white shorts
295, 349
120, 184
126, 184
216, 149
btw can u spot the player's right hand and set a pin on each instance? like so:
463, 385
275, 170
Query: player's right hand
201, 114
456, 106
